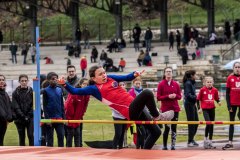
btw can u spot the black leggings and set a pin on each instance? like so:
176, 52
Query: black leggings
146, 98
119, 134
21, 127
3, 128
173, 129
209, 115
192, 115
232, 118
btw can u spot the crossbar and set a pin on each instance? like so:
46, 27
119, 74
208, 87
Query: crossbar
139, 122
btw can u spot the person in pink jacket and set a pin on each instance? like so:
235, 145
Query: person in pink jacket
140, 134
169, 92
75, 108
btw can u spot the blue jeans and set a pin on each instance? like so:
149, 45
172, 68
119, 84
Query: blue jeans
60, 134
148, 44
14, 58
86, 44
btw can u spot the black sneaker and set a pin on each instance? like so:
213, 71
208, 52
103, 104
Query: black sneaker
195, 143
173, 148
227, 147
165, 148
192, 144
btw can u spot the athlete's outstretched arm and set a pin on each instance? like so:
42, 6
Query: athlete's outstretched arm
128, 77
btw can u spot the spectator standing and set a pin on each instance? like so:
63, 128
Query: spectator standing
75, 107
53, 108
148, 38
191, 48
207, 95
236, 29
186, 33
22, 99
83, 65
72, 77
5, 109
227, 31
178, 39
233, 102
1, 37
13, 48
86, 36
32, 51
201, 45
25, 49
171, 41
169, 92
94, 54
190, 100
140, 135
136, 36
78, 35
183, 53
122, 64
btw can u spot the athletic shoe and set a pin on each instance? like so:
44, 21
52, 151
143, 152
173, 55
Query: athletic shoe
193, 144
206, 144
173, 148
227, 147
165, 116
164, 148
210, 146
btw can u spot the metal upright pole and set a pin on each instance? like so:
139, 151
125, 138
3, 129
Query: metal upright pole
36, 89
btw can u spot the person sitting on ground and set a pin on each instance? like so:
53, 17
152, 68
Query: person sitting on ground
122, 64
105, 88
147, 61
103, 58
108, 64
140, 58
48, 60
212, 38
112, 45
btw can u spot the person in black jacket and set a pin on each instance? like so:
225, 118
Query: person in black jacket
5, 109
190, 100
94, 54
148, 38
22, 99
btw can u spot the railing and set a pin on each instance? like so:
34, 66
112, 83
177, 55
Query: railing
231, 53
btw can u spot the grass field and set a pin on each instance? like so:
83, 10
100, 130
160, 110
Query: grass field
98, 111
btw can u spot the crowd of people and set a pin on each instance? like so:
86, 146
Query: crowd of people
135, 104
69, 99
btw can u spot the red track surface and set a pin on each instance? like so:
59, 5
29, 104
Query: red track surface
46, 153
